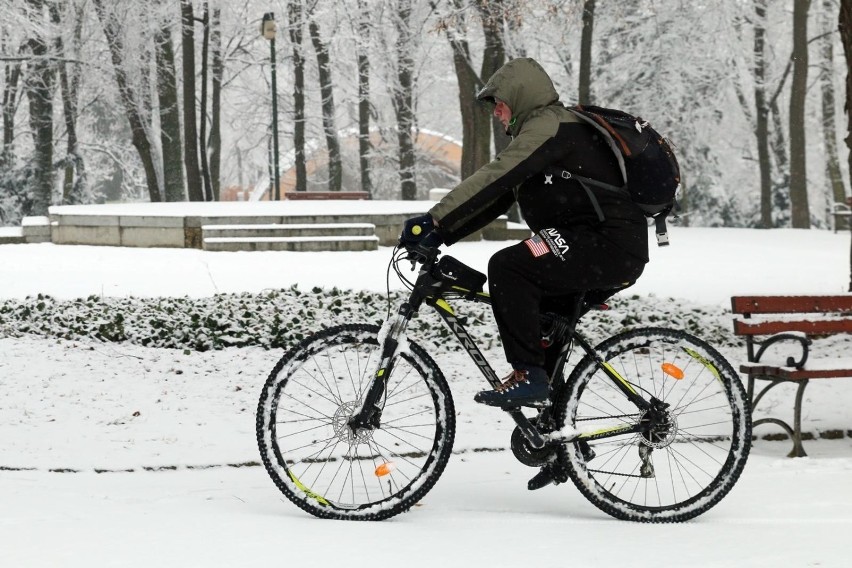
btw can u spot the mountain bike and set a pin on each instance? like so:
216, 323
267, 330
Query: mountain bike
357, 421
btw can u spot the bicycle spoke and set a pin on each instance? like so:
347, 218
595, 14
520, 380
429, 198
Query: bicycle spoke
696, 420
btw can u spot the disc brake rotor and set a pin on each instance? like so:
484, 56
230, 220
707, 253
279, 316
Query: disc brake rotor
662, 432
340, 423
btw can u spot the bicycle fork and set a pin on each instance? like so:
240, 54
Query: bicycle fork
368, 416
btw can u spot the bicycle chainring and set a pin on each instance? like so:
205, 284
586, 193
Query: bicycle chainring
528, 455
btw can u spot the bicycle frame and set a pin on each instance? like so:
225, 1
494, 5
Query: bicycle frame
434, 291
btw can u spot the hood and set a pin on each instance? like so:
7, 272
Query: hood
523, 85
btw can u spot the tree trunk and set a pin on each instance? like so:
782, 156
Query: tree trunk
112, 31
403, 101
218, 71
798, 91
190, 129
167, 95
493, 57
845, 26
202, 127
837, 190
73, 160
476, 149
39, 89
762, 122
585, 89
364, 145
474, 154
294, 10
778, 145
12, 76
335, 168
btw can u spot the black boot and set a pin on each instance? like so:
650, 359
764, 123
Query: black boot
523, 387
543, 478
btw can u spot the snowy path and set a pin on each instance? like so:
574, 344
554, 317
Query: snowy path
88, 406
782, 513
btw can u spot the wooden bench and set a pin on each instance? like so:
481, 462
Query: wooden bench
806, 317
322, 195
841, 212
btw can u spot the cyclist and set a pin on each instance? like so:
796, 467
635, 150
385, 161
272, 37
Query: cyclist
584, 237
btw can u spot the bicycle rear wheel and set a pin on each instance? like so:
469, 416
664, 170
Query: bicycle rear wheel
313, 456
698, 445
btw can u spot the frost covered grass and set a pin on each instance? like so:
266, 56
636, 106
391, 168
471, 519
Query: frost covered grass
280, 318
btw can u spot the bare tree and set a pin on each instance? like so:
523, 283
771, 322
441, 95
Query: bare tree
403, 100
69, 80
218, 72
114, 34
202, 130
167, 94
585, 89
11, 83
335, 166
799, 84
39, 88
476, 118
364, 145
762, 114
294, 12
493, 16
190, 129
845, 26
837, 190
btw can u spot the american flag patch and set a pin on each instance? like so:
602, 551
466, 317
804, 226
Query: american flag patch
537, 246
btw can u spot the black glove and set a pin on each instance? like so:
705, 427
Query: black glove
420, 230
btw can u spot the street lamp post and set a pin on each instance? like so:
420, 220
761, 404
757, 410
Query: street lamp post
267, 30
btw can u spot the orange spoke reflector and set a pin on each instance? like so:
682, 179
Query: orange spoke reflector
385, 469
673, 371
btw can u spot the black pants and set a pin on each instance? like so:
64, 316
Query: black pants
538, 274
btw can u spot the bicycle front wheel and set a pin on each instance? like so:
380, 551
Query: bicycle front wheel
315, 458
688, 453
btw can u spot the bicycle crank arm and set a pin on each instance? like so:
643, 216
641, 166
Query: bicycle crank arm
527, 428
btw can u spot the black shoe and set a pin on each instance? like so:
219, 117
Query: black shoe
553, 472
543, 478
523, 387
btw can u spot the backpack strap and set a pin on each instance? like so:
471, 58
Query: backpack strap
586, 182
607, 136
660, 227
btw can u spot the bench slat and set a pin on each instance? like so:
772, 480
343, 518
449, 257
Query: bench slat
794, 374
819, 327
790, 304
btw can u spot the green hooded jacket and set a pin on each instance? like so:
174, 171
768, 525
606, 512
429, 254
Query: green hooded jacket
536, 116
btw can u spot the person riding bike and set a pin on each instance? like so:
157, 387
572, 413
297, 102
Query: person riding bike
584, 237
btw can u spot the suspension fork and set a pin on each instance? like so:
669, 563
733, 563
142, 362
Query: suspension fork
369, 415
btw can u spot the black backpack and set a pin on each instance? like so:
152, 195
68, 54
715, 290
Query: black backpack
648, 164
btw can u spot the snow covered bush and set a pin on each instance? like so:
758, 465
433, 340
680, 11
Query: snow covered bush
277, 319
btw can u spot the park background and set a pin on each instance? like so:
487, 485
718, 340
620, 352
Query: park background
113, 100
119, 451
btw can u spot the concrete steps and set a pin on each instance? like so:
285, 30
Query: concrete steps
290, 237
11, 236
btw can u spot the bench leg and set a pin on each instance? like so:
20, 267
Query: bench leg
795, 432
798, 449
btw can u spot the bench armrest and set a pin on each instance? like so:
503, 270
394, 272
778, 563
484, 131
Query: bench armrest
778, 338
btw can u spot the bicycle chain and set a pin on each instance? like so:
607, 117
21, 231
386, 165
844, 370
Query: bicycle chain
615, 473
616, 416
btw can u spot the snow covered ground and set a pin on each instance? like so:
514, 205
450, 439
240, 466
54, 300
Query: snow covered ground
169, 430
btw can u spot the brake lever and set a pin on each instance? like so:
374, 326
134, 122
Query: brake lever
422, 254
